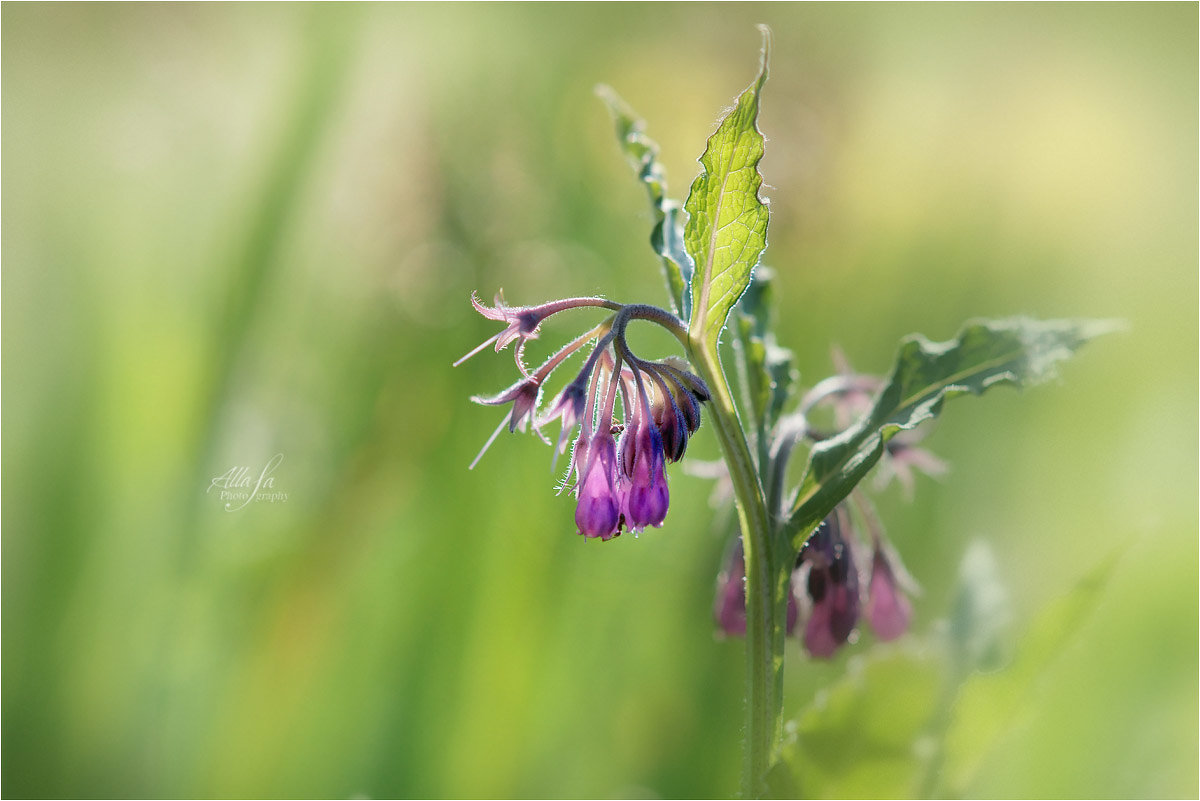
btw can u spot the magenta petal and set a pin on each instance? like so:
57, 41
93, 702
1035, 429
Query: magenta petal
645, 497
598, 513
888, 610
730, 607
832, 621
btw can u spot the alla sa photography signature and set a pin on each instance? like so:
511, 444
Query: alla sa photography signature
241, 484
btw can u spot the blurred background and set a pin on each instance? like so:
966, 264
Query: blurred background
236, 231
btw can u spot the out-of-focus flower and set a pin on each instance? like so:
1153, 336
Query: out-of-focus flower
902, 457
729, 610
888, 609
830, 579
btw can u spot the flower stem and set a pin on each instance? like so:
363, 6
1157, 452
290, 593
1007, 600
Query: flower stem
764, 635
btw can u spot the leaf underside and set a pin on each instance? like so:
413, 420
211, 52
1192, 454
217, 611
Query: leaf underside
667, 236
1019, 352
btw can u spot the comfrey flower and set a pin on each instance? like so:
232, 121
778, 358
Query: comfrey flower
598, 513
829, 571
619, 484
521, 323
888, 609
830, 579
827, 594
730, 608
902, 456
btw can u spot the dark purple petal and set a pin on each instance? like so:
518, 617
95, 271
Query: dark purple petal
646, 496
832, 621
689, 405
831, 582
671, 427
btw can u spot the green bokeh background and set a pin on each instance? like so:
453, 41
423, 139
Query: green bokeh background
236, 231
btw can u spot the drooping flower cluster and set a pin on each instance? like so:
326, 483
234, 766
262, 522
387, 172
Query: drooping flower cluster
617, 469
827, 594
841, 577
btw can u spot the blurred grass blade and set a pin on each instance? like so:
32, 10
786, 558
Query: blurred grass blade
667, 236
1018, 351
318, 88
726, 229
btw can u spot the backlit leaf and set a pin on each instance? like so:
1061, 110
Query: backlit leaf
726, 229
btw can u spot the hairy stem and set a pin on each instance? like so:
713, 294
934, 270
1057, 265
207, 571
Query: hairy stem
764, 645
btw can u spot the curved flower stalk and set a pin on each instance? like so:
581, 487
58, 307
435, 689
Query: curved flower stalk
619, 483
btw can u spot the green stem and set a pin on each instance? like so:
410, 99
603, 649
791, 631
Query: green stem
764, 635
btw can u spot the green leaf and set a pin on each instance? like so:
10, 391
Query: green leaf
981, 613
860, 737
726, 229
667, 236
1020, 352
766, 369
990, 704
918, 717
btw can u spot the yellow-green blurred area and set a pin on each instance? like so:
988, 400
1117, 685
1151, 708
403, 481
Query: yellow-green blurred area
236, 231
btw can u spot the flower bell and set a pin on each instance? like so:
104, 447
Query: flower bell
644, 494
523, 395
888, 609
615, 486
830, 579
730, 607
598, 512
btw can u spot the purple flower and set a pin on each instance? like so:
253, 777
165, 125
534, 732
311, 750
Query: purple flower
567, 407
831, 583
660, 403
888, 610
672, 428
520, 322
598, 512
523, 395
730, 607
644, 494
903, 456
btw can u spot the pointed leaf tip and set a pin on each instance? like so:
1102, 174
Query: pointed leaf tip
1018, 351
726, 230
666, 238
